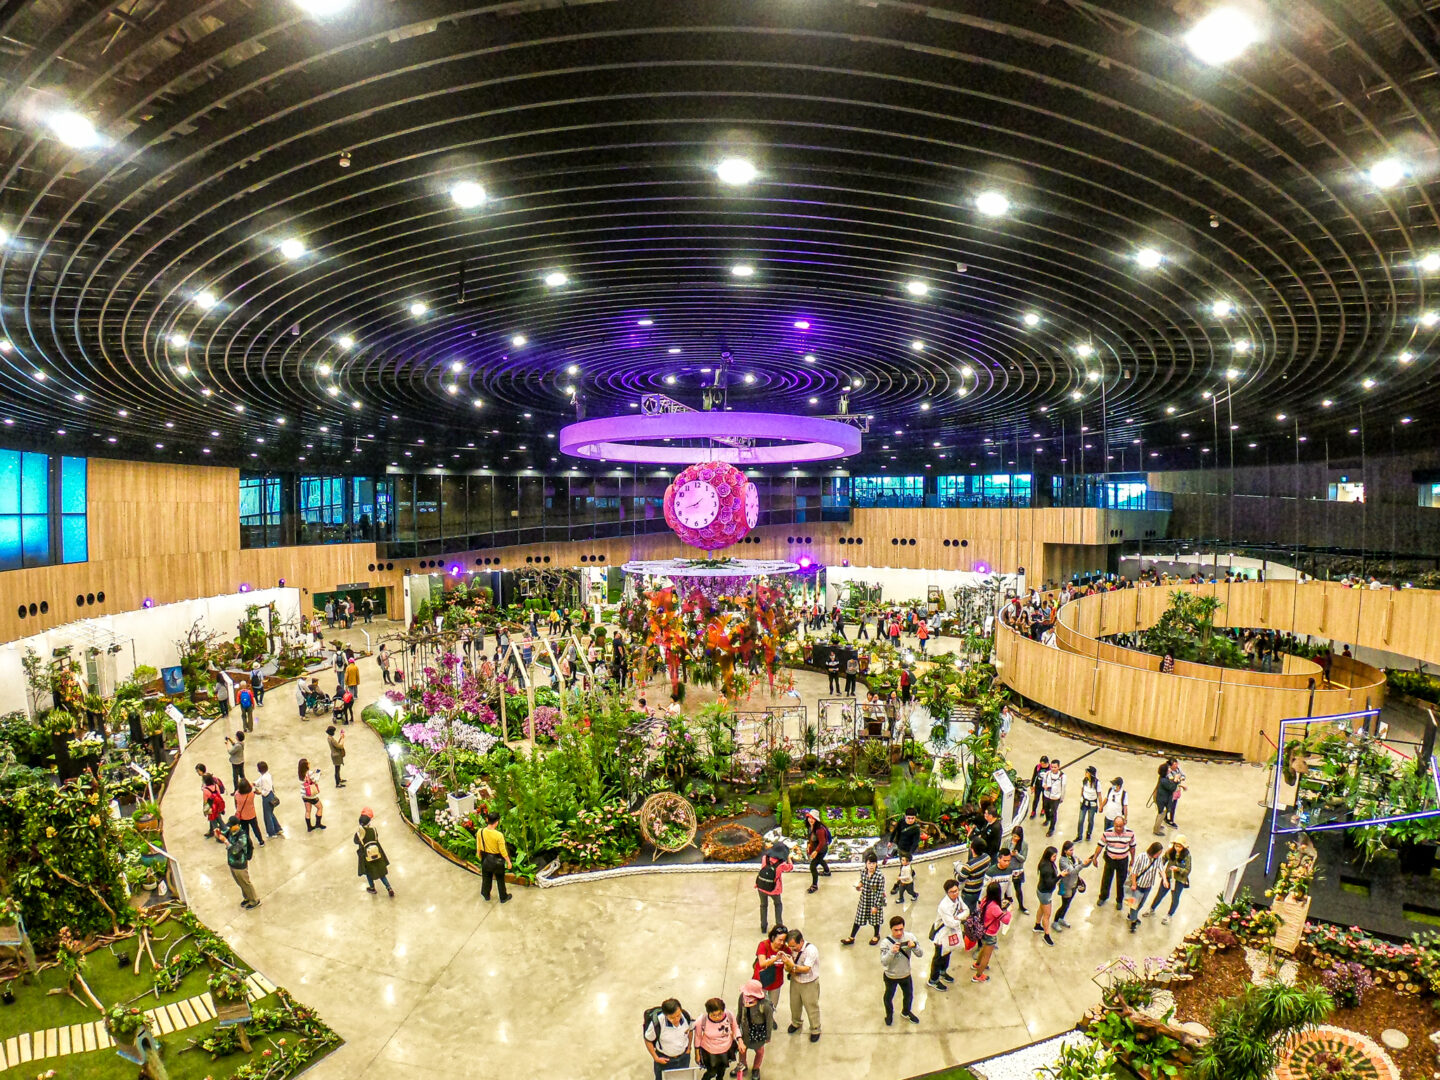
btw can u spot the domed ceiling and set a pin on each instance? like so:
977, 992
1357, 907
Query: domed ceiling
428, 234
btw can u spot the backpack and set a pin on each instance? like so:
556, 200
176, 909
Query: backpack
656, 1016
766, 878
370, 849
235, 855
246, 700
974, 927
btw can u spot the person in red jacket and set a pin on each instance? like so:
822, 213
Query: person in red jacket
773, 865
214, 807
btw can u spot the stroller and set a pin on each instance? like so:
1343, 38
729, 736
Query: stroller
319, 704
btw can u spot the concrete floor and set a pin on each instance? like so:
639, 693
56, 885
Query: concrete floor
437, 983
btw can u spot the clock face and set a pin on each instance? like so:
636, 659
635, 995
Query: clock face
752, 504
696, 504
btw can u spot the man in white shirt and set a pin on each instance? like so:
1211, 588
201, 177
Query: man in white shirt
668, 1037
948, 934
265, 793
1052, 788
802, 964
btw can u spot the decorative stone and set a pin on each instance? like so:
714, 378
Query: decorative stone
1435, 1039
1260, 968
1194, 1027
1395, 1039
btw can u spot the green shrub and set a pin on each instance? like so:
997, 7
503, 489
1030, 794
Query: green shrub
927, 799
1416, 684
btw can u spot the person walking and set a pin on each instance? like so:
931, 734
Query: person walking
1037, 784
336, 740
310, 795
352, 687
852, 672
871, 906
994, 915
717, 1039
895, 954
1177, 776
1162, 796
367, 608
265, 794
802, 964
971, 873
769, 967
303, 700
1117, 844
669, 1034
1052, 790
237, 757
246, 699
494, 853
245, 810
817, 846
329, 612
905, 879
774, 864
237, 857
1019, 852
212, 791
1068, 866
1047, 879
1174, 876
756, 1019
946, 935
382, 660
922, 632
257, 683
339, 663
1115, 804
371, 861
906, 833
1143, 873
1089, 804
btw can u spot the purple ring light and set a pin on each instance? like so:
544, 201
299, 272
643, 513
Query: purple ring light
640, 439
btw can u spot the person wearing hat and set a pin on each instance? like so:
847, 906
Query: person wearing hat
817, 846
237, 855
373, 865
1174, 876
1115, 804
755, 1017
773, 865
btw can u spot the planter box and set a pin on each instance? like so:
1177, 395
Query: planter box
1417, 859
460, 805
1292, 912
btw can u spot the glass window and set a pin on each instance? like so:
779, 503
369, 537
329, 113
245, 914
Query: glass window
42, 510
259, 510
887, 491
427, 507
1350, 491
74, 530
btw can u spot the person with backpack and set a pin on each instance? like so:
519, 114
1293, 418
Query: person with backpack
871, 906
246, 698
773, 864
1116, 803
947, 935
817, 846
310, 795
337, 751
717, 1039
213, 792
257, 682
237, 856
669, 1033
991, 917
370, 856
769, 967
756, 1019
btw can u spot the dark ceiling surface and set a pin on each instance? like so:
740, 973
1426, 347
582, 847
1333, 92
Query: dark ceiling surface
595, 129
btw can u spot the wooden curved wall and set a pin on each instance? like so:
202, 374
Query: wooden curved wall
1215, 709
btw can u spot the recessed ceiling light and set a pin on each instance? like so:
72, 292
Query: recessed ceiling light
292, 248
205, 391
809, 358
814, 401
1404, 419
1075, 395
1222, 35
333, 391
1030, 319
1222, 309
280, 420
355, 405
749, 378
1207, 395
1431, 262
467, 194
346, 342
1242, 345
79, 397
123, 413
802, 324
240, 408
1149, 258
1094, 376
1327, 403
177, 341
5, 345
518, 340
1429, 318
917, 345
669, 380
924, 406
674, 350
456, 366
418, 308
452, 389
38, 376
322, 9
735, 171
1387, 172
992, 203
573, 369
1368, 384
1405, 356
1084, 350
72, 129
323, 370
555, 279
110, 439
205, 300
645, 322
742, 270
1280, 416
916, 288
1169, 410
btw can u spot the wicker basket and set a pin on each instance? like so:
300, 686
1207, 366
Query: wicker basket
662, 809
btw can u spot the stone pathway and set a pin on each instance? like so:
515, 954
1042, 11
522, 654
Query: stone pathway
81, 1038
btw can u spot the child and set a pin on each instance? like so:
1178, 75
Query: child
904, 880
214, 807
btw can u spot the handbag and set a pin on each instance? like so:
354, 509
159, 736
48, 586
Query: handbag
1080, 885
271, 800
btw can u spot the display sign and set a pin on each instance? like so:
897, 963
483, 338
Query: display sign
174, 680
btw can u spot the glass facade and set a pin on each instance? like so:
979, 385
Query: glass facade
887, 491
985, 489
42, 510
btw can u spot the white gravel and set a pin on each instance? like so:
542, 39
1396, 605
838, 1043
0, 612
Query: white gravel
1021, 1064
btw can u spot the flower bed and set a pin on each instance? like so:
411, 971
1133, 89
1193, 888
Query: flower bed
844, 822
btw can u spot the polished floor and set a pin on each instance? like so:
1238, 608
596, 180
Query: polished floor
437, 983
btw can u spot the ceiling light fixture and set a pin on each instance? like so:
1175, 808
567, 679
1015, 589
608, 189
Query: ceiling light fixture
322, 9
452, 389
1242, 345
916, 288
742, 270
1222, 35
555, 279
1084, 350
1149, 258
736, 171
467, 194
418, 308
674, 350
917, 345
645, 322
749, 378
73, 129
1387, 172
992, 203
1031, 319
177, 341
292, 248
1405, 356
183, 370
1222, 309
477, 403
323, 370
333, 391
346, 342
205, 300
518, 340
573, 369
456, 366
1430, 263
1429, 318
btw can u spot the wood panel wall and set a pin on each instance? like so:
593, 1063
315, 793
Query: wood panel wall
168, 532
1213, 709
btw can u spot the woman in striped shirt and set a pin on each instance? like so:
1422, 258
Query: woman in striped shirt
1143, 873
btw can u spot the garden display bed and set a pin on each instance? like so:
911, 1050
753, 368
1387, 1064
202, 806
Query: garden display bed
1225, 974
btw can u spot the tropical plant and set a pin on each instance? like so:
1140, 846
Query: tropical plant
1148, 1053
920, 793
124, 1023
1186, 631
227, 986
1080, 1061
1251, 1030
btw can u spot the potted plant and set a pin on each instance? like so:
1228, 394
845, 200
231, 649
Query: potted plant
124, 1023
227, 986
147, 816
